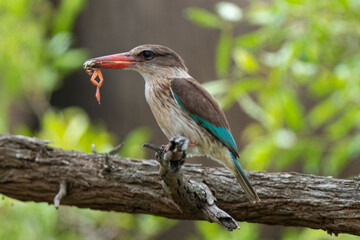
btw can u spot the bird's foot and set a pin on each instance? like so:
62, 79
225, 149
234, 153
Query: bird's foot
172, 154
165, 147
178, 144
190, 144
175, 152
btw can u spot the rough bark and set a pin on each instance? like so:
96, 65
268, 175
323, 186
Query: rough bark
32, 171
191, 197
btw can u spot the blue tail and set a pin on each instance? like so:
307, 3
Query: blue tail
244, 181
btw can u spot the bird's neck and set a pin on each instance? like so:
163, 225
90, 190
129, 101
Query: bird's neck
157, 85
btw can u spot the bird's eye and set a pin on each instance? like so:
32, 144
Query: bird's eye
147, 54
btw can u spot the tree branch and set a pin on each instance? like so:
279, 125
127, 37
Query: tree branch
32, 171
192, 197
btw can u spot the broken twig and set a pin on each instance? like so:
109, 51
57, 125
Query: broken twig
62, 193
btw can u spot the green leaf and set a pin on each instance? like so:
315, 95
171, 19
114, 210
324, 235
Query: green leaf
312, 151
254, 110
344, 124
59, 43
66, 15
294, 1
241, 87
337, 158
210, 231
71, 129
246, 61
252, 132
71, 60
258, 154
262, 15
217, 88
324, 111
223, 54
325, 84
133, 143
353, 146
48, 79
281, 58
203, 18
251, 40
292, 108
285, 158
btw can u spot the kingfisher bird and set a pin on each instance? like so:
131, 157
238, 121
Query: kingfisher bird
181, 106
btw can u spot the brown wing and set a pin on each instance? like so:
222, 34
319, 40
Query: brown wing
203, 108
196, 100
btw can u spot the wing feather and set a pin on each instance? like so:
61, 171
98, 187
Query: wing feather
203, 108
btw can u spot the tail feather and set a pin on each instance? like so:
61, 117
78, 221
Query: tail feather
244, 181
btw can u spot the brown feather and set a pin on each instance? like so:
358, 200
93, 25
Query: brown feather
196, 100
164, 56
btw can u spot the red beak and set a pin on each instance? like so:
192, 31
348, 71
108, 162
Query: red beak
114, 61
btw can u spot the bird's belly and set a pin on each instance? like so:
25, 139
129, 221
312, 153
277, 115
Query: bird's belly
174, 121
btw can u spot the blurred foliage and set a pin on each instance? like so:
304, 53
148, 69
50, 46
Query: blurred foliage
297, 234
33, 221
210, 231
35, 53
133, 143
71, 129
296, 73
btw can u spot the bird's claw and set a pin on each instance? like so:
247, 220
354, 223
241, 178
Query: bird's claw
174, 152
178, 144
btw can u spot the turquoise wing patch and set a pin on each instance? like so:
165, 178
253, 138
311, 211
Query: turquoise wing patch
222, 134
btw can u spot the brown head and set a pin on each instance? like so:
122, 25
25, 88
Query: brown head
148, 59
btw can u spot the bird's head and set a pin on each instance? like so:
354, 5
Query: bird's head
148, 60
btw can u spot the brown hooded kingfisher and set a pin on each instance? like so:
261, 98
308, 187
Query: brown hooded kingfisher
181, 106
